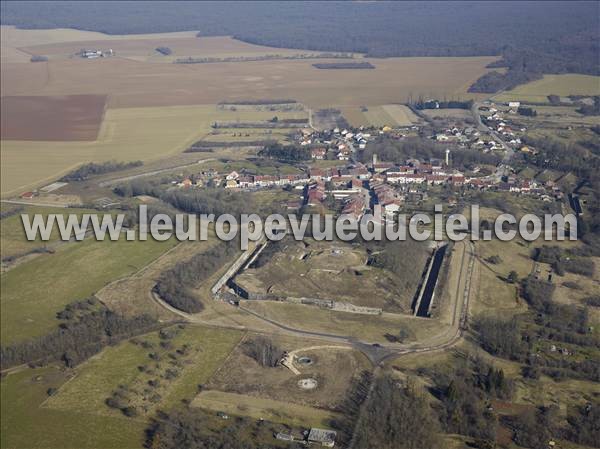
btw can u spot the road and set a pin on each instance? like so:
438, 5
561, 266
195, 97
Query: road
34, 203
376, 353
508, 151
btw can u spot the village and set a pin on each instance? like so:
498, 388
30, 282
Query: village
356, 186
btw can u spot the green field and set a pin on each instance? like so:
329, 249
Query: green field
13, 241
26, 425
562, 85
263, 408
33, 292
96, 379
77, 418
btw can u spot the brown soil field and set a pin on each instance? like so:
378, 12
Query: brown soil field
57, 118
139, 84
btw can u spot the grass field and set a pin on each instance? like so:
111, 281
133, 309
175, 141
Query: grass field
563, 85
76, 417
459, 114
365, 327
96, 379
328, 271
13, 241
33, 292
26, 425
126, 135
263, 408
333, 368
386, 115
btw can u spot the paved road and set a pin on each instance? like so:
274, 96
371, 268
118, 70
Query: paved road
508, 151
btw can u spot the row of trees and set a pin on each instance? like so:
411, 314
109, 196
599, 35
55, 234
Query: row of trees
175, 285
79, 336
286, 152
263, 350
451, 104
91, 169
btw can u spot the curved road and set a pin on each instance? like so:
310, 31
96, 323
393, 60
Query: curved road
377, 353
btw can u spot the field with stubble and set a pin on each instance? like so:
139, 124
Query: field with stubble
154, 110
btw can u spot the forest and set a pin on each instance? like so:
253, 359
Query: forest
531, 37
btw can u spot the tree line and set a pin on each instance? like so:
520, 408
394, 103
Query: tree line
175, 284
86, 327
93, 168
561, 39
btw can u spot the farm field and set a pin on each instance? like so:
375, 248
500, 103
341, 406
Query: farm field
563, 85
401, 114
126, 135
448, 113
386, 115
143, 48
33, 292
13, 37
137, 84
72, 117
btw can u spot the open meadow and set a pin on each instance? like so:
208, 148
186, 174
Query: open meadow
96, 380
321, 383
33, 292
77, 411
562, 85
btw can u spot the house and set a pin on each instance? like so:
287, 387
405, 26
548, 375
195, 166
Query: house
457, 179
315, 194
514, 104
231, 184
323, 437
318, 153
232, 175
27, 195
435, 179
379, 167
186, 183
354, 206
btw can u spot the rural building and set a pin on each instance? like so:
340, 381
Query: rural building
318, 153
323, 437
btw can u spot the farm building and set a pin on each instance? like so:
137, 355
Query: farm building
323, 437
